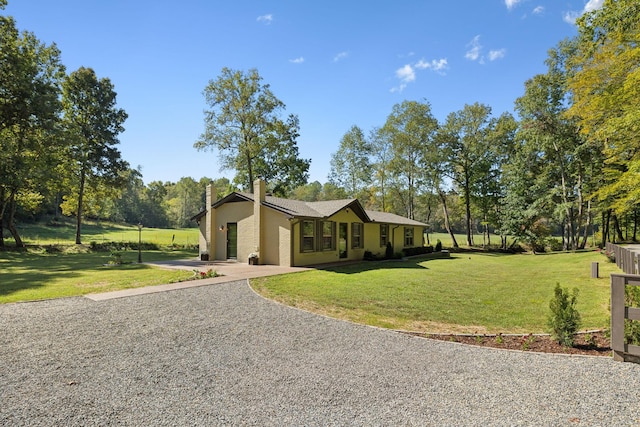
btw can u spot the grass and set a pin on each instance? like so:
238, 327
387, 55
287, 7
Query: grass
32, 275
54, 267
64, 233
473, 293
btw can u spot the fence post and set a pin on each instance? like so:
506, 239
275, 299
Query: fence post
594, 270
617, 316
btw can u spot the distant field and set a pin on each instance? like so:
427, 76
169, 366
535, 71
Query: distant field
42, 234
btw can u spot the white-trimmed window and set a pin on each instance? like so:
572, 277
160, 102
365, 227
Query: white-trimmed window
308, 236
384, 234
328, 235
357, 238
408, 236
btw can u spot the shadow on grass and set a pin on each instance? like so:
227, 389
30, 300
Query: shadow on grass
362, 266
22, 271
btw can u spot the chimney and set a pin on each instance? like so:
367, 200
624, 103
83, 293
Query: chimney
259, 195
210, 234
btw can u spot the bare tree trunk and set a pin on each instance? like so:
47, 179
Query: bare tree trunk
79, 211
617, 229
585, 234
10, 223
443, 197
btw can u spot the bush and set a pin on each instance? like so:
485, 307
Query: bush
438, 246
419, 250
388, 254
564, 319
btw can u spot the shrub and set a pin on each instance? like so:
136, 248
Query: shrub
564, 319
419, 250
389, 251
632, 327
438, 247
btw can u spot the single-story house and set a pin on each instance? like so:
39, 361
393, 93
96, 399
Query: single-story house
278, 231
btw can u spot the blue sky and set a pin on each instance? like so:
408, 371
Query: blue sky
333, 63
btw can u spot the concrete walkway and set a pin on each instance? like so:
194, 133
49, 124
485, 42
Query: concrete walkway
229, 271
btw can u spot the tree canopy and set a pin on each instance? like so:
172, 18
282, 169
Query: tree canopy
244, 124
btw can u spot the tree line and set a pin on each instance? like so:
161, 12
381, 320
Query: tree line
567, 163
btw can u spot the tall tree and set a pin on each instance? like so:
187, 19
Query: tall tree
604, 80
30, 74
350, 165
466, 139
93, 122
410, 129
244, 125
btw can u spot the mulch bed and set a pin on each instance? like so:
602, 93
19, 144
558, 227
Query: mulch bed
589, 344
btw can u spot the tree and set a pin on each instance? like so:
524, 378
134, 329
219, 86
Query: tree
410, 129
467, 145
604, 81
30, 74
93, 123
350, 166
244, 125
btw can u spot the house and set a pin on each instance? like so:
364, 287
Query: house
273, 230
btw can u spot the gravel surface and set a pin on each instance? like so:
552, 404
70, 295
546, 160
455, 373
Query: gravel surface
222, 355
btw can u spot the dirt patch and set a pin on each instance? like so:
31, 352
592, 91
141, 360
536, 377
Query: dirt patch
589, 344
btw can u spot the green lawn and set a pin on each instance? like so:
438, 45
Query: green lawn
64, 233
484, 293
35, 276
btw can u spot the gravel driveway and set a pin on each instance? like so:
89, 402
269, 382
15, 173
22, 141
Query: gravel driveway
222, 355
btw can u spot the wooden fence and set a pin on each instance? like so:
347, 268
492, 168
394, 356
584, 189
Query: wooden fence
619, 312
626, 260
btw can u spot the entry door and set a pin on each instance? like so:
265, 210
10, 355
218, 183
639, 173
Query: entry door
232, 240
343, 239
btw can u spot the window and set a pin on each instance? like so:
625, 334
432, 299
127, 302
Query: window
408, 236
384, 234
308, 236
356, 235
328, 235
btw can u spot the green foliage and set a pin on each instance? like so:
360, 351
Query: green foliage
92, 122
243, 124
350, 166
632, 327
564, 319
438, 247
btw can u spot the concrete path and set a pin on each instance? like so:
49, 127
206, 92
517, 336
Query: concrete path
229, 271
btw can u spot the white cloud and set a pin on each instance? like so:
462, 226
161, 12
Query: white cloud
593, 5
299, 60
571, 16
497, 54
397, 88
511, 3
266, 19
474, 53
406, 74
437, 65
539, 10
340, 56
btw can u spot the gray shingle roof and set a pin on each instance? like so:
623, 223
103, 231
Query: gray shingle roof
323, 209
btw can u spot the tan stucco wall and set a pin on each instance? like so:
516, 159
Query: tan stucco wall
202, 238
276, 248
242, 214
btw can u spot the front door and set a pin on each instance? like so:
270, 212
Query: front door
342, 239
232, 240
